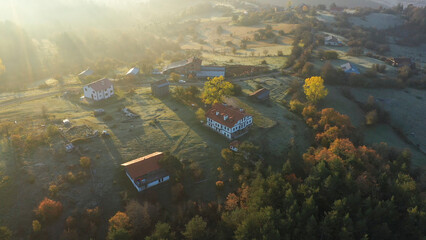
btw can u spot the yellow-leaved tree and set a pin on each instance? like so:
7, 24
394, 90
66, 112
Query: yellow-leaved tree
314, 89
216, 89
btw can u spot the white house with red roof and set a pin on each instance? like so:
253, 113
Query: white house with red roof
99, 90
229, 121
145, 172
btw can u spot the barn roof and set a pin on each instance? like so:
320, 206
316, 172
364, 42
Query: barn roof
143, 165
262, 93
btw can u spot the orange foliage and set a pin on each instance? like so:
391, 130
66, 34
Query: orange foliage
343, 148
119, 221
232, 201
49, 209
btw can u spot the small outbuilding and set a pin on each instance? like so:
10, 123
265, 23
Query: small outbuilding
160, 88
332, 41
146, 172
133, 72
260, 95
234, 145
349, 68
85, 73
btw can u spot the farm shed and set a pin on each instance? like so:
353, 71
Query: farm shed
145, 172
260, 95
160, 88
133, 72
86, 73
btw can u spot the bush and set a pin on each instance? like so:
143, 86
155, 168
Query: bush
85, 162
174, 77
36, 226
52, 131
371, 118
219, 185
5, 233
53, 189
404, 72
296, 106
201, 114
328, 55
49, 210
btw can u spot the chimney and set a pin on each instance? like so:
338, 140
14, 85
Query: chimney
241, 110
217, 113
225, 117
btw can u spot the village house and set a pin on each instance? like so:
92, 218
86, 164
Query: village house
160, 88
99, 90
349, 68
184, 67
228, 121
86, 73
145, 172
332, 41
133, 72
260, 95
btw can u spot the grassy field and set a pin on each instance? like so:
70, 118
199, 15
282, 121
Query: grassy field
410, 120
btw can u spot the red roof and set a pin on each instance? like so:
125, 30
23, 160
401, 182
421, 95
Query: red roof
101, 85
226, 115
144, 165
261, 93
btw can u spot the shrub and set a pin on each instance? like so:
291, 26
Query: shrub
36, 226
49, 209
371, 118
52, 131
174, 77
5, 233
404, 72
201, 114
296, 106
219, 185
328, 55
85, 162
280, 53
263, 62
196, 170
53, 189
